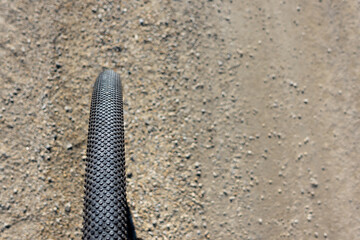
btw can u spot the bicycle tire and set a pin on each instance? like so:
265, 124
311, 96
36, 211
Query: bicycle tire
106, 213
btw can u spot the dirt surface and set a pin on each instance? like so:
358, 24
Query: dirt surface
241, 117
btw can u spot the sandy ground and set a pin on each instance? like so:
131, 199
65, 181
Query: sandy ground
241, 117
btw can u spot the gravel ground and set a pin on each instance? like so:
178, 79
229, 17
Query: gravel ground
241, 117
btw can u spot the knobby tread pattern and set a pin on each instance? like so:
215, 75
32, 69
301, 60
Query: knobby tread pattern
105, 206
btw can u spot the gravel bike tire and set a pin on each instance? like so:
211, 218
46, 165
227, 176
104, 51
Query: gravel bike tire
106, 213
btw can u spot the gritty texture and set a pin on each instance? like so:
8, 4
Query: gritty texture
241, 117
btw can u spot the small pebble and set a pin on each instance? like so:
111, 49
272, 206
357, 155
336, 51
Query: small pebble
68, 109
197, 164
48, 147
69, 146
68, 207
314, 183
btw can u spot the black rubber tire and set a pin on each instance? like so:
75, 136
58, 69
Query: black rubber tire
106, 214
